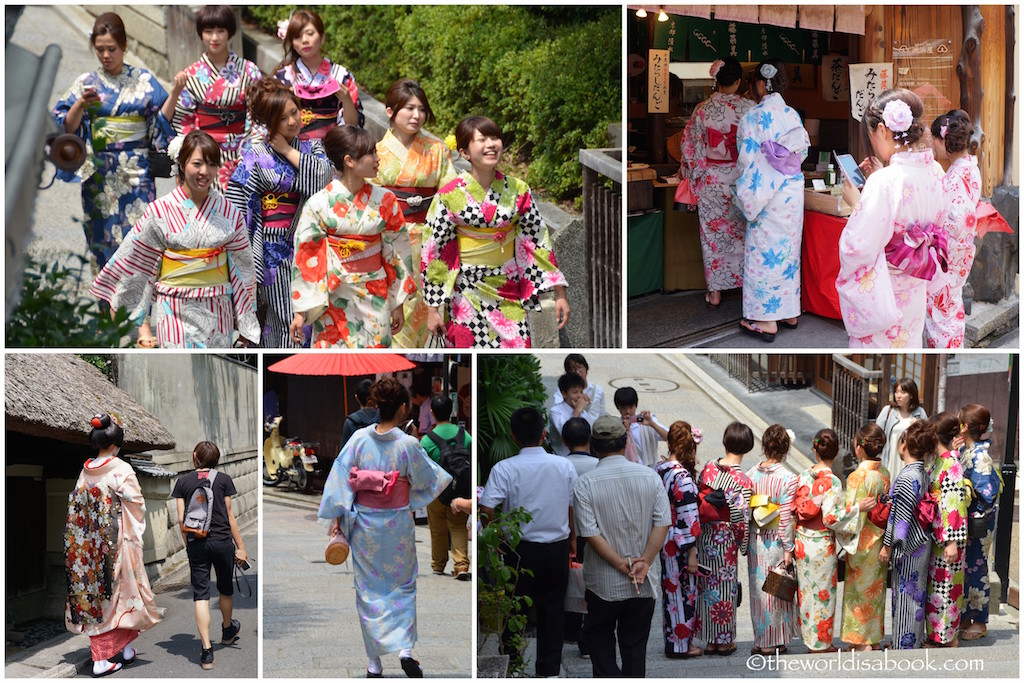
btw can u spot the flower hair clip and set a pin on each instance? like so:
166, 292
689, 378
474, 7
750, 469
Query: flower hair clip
897, 117
942, 131
716, 66
768, 72
450, 143
173, 151
698, 435
282, 28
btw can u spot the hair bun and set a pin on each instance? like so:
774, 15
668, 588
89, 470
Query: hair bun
100, 421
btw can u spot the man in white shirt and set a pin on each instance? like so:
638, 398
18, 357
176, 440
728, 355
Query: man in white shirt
645, 431
540, 483
623, 512
575, 403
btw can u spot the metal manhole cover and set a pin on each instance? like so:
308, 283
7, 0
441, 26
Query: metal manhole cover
645, 385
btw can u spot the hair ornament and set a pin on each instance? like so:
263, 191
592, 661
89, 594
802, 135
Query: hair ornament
173, 151
897, 116
698, 435
942, 131
450, 143
768, 70
97, 422
991, 425
282, 27
716, 66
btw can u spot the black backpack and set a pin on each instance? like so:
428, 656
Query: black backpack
456, 461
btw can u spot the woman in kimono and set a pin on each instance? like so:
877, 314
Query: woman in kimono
819, 508
378, 479
679, 555
487, 255
771, 543
951, 134
349, 279
709, 149
724, 506
414, 166
903, 410
327, 93
893, 243
985, 483
905, 542
864, 589
946, 568
210, 94
116, 111
187, 264
770, 193
109, 598
269, 186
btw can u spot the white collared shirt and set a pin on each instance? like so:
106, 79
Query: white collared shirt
539, 482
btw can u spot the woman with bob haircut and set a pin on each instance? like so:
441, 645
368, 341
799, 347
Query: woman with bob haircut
350, 280
269, 186
414, 166
186, 265
109, 598
382, 475
210, 94
487, 256
221, 548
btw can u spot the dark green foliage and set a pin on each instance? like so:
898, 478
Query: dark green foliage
504, 385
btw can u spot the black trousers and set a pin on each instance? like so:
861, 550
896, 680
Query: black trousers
550, 565
630, 621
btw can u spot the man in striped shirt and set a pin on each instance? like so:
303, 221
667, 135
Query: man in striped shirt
622, 510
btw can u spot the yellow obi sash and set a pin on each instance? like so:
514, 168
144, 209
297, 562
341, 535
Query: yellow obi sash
194, 268
487, 247
764, 513
108, 130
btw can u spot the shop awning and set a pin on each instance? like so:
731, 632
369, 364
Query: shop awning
831, 18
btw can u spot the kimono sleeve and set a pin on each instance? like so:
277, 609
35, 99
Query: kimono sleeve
84, 130
348, 81
160, 129
985, 480
315, 170
901, 514
395, 251
426, 478
845, 520
750, 192
133, 504
439, 257
310, 265
184, 118
693, 152
338, 498
447, 170
128, 279
244, 189
865, 289
243, 281
786, 524
952, 522
533, 250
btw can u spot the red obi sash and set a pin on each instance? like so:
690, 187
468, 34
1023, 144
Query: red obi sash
279, 209
722, 147
381, 490
413, 201
358, 253
221, 121
319, 115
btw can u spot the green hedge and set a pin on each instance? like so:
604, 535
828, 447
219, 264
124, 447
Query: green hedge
550, 77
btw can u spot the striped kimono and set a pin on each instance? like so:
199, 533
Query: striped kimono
946, 579
190, 269
775, 621
910, 554
269, 192
679, 586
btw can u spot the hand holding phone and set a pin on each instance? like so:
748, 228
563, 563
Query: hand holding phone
850, 169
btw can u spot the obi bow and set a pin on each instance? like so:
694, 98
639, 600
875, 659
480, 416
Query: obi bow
372, 480
722, 146
780, 158
919, 251
763, 511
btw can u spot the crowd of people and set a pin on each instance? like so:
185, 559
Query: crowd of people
646, 527
291, 225
907, 248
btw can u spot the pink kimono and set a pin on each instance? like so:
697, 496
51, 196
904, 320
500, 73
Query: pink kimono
892, 245
709, 149
944, 327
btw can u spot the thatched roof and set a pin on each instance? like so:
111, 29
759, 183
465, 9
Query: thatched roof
56, 395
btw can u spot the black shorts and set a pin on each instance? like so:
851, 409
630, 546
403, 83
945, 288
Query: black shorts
202, 553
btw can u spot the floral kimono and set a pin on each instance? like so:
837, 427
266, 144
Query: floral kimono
911, 551
770, 193
350, 266
864, 589
269, 192
709, 149
109, 598
723, 536
414, 175
486, 259
214, 101
892, 245
679, 586
380, 530
944, 326
945, 579
986, 483
190, 269
118, 133
318, 95
819, 509
775, 620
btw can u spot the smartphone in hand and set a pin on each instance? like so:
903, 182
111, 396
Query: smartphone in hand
850, 169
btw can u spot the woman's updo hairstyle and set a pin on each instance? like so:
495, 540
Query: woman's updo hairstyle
947, 427
389, 394
920, 439
977, 418
468, 127
826, 445
351, 141
873, 115
197, 139
266, 99
955, 129
871, 438
775, 442
109, 24
777, 82
105, 432
730, 72
683, 447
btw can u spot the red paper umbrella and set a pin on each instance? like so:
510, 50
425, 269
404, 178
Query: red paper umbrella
342, 364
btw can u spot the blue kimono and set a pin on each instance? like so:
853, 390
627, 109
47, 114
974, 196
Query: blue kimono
382, 541
986, 483
116, 185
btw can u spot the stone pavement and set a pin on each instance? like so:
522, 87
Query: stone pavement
310, 628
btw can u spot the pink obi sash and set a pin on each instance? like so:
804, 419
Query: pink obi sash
358, 253
278, 209
413, 201
221, 121
722, 146
381, 490
918, 252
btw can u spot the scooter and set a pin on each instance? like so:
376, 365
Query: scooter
288, 460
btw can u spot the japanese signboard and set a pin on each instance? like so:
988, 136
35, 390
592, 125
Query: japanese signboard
657, 81
835, 79
866, 81
927, 68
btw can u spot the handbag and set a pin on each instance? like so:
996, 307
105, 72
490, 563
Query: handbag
337, 549
781, 583
575, 591
160, 164
977, 527
437, 341
684, 198
879, 515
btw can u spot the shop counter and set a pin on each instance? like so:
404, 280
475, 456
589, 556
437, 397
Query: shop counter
819, 265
